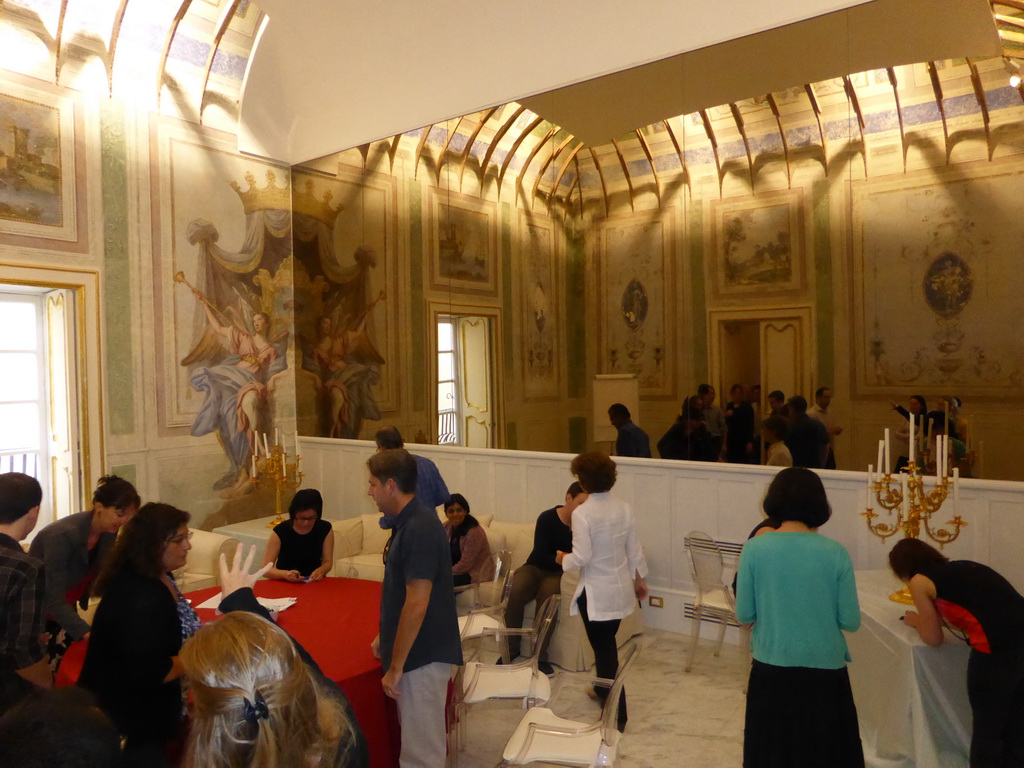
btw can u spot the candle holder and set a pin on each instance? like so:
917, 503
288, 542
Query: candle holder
911, 507
276, 471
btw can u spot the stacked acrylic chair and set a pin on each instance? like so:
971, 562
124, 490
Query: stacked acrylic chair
489, 598
544, 737
477, 682
714, 601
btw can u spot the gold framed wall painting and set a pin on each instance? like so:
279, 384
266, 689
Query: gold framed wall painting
935, 302
463, 244
758, 245
37, 164
538, 314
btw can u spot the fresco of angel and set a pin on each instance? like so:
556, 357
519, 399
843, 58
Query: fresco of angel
242, 357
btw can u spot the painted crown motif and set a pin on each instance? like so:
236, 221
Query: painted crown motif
279, 198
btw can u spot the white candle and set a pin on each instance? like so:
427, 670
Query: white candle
254, 466
905, 502
888, 463
913, 441
956, 490
945, 455
266, 448
871, 469
881, 467
277, 437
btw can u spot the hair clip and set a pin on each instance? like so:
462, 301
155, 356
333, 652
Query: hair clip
253, 713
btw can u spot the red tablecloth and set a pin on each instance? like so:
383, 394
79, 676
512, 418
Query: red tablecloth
335, 620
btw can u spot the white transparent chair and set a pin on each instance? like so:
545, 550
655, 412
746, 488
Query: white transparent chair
544, 737
477, 682
490, 598
714, 601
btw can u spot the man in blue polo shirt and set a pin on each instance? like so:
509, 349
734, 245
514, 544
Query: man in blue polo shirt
430, 486
419, 628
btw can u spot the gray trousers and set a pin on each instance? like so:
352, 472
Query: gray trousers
421, 712
528, 583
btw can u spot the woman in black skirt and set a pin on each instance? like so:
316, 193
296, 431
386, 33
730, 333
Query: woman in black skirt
797, 589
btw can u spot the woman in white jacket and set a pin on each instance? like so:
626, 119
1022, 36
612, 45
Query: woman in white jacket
606, 551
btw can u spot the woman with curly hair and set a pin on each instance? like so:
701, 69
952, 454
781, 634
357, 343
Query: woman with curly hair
606, 551
132, 663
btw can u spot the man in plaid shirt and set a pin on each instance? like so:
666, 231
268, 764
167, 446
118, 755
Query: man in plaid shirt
22, 656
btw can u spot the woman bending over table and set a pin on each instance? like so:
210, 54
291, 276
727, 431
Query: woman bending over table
73, 549
467, 540
606, 551
132, 663
982, 608
798, 591
302, 547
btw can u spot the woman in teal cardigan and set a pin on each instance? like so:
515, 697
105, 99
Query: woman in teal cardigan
797, 588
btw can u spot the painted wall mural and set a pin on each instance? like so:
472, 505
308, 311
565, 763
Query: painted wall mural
636, 275
934, 265
758, 244
539, 312
344, 259
228, 332
464, 240
37, 162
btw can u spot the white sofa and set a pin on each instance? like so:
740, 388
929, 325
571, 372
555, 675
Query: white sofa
359, 546
202, 568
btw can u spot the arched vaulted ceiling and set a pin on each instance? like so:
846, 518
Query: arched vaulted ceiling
188, 58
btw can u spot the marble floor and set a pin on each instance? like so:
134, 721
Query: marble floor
675, 718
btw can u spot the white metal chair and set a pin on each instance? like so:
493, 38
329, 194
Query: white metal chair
490, 598
477, 681
544, 737
714, 600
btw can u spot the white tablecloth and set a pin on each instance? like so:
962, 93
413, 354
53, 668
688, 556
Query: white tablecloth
911, 698
250, 532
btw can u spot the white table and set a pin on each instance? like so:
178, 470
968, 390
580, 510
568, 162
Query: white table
250, 532
911, 698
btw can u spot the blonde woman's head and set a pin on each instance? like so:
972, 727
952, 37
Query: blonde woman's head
256, 703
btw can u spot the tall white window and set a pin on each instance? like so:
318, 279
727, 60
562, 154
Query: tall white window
24, 442
448, 418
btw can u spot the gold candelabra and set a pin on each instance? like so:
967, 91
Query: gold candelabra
275, 469
908, 505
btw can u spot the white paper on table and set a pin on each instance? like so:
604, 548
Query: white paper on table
277, 604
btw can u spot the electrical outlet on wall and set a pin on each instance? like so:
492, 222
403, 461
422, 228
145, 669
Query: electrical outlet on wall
655, 602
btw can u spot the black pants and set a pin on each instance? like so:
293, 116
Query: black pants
995, 688
461, 579
601, 635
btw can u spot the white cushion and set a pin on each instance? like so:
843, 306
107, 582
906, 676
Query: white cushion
582, 750
374, 537
366, 567
509, 683
348, 537
518, 539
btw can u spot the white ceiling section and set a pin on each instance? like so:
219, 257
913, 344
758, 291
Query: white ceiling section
329, 75
880, 34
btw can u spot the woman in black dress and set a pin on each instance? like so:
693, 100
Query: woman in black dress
302, 547
132, 663
982, 608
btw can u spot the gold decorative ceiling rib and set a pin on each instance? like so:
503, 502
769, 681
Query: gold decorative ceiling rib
227, 14
168, 42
